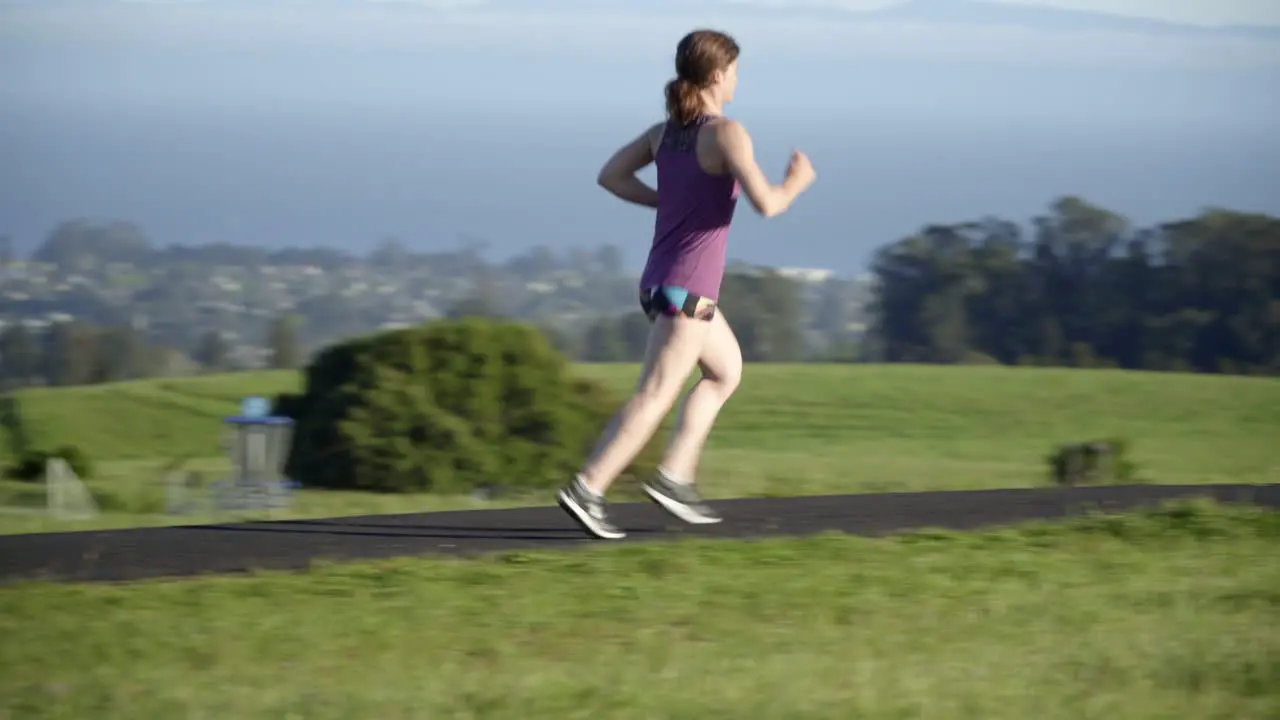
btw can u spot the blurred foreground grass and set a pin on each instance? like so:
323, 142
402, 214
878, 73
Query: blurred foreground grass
1163, 614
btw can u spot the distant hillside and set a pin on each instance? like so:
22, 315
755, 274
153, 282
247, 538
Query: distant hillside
884, 423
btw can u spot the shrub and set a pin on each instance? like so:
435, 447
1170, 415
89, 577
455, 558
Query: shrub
30, 465
447, 407
77, 459
1098, 461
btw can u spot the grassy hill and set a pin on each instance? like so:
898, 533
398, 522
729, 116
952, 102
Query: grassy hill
806, 428
143, 420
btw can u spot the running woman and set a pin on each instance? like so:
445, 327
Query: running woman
704, 160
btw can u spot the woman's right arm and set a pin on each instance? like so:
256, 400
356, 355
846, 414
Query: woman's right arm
740, 158
618, 175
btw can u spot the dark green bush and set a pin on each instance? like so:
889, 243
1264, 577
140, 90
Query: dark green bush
30, 465
447, 407
288, 405
1094, 462
77, 459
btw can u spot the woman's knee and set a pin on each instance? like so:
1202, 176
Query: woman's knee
725, 376
736, 379
729, 378
721, 363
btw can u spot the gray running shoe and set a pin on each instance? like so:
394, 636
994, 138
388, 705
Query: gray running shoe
681, 500
588, 510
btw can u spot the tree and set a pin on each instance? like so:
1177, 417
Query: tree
633, 331
70, 353
123, 354
765, 311
479, 305
831, 317
391, 253
79, 245
601, 342
283, 344
19, 355
212, 352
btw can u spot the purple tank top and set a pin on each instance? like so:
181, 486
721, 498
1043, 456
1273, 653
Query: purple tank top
695, 209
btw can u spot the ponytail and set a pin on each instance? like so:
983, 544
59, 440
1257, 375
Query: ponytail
683, 103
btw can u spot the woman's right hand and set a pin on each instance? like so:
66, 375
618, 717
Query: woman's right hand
740, 158
801, 169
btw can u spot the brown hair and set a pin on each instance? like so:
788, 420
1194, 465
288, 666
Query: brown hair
698, 56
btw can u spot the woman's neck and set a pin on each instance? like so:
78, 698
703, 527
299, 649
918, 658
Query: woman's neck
711, 105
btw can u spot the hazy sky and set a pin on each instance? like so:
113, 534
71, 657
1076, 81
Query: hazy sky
338, 121
1207, 12
49, 34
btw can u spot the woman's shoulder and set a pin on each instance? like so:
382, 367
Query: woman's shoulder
726, 129
725, 123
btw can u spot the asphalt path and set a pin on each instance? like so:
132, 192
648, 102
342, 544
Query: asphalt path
183, 551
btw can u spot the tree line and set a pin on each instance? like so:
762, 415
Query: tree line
79, 353
1084, 288
1079, 286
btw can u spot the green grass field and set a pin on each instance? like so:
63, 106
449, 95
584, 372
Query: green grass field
1163, 614
1167, 614
791, 430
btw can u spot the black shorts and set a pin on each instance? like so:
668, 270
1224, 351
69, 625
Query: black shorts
674, 300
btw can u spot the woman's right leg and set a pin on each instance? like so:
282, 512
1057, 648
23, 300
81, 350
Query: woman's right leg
673, 487
721, 364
